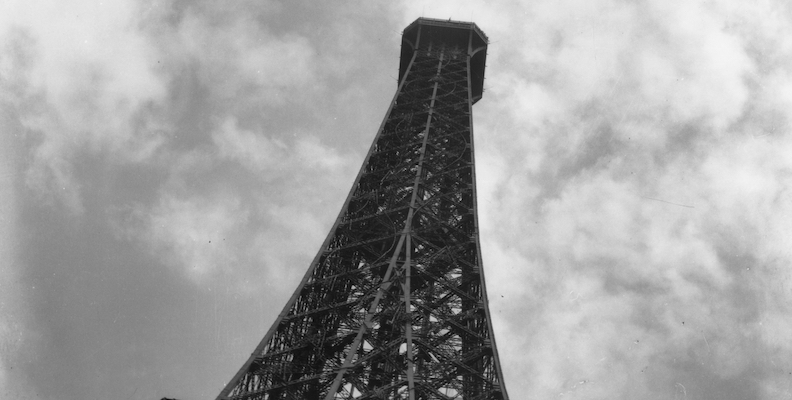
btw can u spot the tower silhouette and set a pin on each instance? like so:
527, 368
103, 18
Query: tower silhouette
394, 304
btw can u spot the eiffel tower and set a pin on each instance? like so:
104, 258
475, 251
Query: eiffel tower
394, 304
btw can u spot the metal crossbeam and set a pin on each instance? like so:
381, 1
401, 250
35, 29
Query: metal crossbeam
394, 306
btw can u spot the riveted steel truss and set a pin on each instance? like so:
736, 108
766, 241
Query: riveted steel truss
394, 305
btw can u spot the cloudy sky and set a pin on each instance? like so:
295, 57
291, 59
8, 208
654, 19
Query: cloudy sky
168, 169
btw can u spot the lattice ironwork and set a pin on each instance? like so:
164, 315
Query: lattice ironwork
394, 305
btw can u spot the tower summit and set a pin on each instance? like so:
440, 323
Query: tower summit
394, 304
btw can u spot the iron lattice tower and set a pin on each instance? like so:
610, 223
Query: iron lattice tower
394, 306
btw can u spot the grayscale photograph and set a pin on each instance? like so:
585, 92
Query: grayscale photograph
467, 200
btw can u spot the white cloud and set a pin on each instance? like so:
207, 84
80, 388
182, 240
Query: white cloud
260, 153
633, 159
636, 181
256, 152
255, 232
88, 73
199, 236
238, 57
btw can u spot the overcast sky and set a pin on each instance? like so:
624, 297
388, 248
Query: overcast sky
168, 169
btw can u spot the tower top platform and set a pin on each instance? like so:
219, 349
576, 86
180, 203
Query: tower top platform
426, 33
